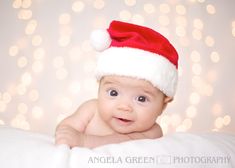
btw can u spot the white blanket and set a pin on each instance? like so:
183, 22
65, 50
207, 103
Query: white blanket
24, 149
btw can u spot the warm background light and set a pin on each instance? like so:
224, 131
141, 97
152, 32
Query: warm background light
47, 64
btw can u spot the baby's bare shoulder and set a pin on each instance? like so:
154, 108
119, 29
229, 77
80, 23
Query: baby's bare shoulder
87, 106
82, 116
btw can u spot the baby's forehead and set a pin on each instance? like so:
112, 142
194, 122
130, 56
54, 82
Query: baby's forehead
128, 81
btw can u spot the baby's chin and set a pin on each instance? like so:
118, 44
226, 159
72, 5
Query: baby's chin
124, 130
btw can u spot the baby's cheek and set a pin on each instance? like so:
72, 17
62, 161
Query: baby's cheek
105, 107
148, 118
105, 110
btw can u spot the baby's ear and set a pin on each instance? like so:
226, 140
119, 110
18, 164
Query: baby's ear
168, 99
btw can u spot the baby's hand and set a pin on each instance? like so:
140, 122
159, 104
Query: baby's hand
70, 136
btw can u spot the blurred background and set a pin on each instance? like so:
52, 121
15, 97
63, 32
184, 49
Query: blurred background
47, 63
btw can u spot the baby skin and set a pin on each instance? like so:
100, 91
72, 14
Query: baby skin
126, 109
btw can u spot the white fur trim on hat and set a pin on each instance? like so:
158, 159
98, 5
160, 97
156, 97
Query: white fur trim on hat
139, 64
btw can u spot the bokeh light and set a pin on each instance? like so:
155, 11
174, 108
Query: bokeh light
99, 4
149, 8
25, 14
31, 27
22, 62
164, 8
210, 9
13, 50
78, 6
125, 15
130, 2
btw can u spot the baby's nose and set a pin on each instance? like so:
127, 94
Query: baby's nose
125, 106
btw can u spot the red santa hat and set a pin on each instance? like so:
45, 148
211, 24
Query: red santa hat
136, 51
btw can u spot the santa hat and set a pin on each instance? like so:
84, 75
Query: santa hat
136, 51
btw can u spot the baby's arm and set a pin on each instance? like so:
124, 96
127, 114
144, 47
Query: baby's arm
92, 141
69, 131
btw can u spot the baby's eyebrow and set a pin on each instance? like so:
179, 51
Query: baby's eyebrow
107, 81
149, 92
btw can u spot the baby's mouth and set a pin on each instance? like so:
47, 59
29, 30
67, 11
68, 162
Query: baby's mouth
123, 120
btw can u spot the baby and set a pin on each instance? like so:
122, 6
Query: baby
137, 74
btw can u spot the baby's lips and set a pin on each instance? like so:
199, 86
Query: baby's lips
124, 120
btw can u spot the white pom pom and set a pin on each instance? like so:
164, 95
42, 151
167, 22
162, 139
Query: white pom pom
100, 39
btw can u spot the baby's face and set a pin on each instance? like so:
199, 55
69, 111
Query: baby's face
128, 104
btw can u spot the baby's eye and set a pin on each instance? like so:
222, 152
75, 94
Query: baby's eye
112, 92
142, 99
